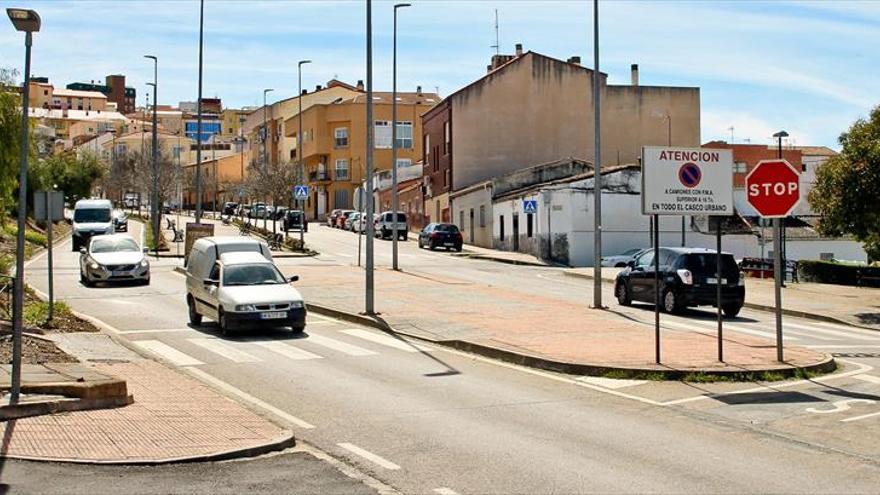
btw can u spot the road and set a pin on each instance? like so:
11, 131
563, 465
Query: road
426, 419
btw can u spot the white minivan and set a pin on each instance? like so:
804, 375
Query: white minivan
233, 281
91, 217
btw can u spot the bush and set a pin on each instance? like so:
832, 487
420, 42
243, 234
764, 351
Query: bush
36, 238
36, 313
827, 272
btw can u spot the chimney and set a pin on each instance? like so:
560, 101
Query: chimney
575, 60
519, 49
360, 85
318, 88
305, 92
419, 90
634, 72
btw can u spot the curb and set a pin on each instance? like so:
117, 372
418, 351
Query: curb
509, 261
765, 308
826, 365
41, 408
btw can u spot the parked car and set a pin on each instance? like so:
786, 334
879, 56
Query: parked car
120, 222
687, 279
113, 258
331, 218
351, 221
230, 207
385, 225
444, 235
295, 220
243, 289
361, 225
757, 267
279, 212
620, 260
257, 210
341, 218
91, 217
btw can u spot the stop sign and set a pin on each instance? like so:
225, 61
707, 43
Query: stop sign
773, 189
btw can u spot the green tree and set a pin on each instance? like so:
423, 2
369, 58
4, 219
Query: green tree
847, 187
69, 173
10, 139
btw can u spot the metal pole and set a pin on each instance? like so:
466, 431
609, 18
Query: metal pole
657, 289
394, 192
49, 257
199, 117
361, 210
597, 168
265, 153
718, 288
781, 238
369, 302
18, 292
777, 270
299, 156
155, 210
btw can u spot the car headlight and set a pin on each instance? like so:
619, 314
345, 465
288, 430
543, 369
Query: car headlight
245, 307
145, 263
296, 305
94, 266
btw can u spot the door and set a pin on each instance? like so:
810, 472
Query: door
471, 227
207, 297
516, 231
641, 277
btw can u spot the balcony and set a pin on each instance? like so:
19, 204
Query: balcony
319, 176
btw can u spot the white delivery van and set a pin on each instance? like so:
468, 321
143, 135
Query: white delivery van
91, 217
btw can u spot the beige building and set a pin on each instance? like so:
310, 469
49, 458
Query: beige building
222, 180
45, 95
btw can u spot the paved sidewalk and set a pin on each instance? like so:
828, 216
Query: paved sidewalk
853, 305
486, 318
173, 417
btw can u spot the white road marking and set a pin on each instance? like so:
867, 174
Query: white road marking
856, 418
166, 330
847, 328
247, 397
343, 255
445, 491
386, 340
336, 345
839, 406
611, 382
375, 459
704, 326
167, 352
319, 322
868, 378
288, 350
843, 346
837, 333
225, 350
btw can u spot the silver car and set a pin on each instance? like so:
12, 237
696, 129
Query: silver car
113, 258
620, 260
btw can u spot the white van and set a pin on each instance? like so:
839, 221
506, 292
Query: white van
91, 217
234, 282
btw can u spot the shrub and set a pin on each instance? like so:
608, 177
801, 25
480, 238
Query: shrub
36, 238
828, 272
36, 313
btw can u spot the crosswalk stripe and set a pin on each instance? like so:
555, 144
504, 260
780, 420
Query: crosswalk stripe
704, 326
386, 340
168, 352
225, 350
838, 333
835, 326
287, 350
336, 345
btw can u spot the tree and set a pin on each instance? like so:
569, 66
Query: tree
274, 182
848, 186
67, 172
10, 141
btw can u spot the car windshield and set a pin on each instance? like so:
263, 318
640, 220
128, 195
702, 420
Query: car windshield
255, 274
704, 263
401, 217
445, 227
91, 215
100, 245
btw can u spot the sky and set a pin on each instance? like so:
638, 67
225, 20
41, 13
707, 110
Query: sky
809, 67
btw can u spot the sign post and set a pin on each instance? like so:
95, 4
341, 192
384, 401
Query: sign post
773, 190
301, 192
686, 181
49, 206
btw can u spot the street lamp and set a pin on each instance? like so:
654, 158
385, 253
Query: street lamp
27, 21
265, 148
199, 116
155, 209
597, 167
300, 152
369, 281
394, 198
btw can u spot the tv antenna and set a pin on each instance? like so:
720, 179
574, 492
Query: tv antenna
497, 45
731, 128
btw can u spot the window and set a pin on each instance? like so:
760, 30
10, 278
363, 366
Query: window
341, 137
803, 167
340, 199
461, 220
403, 163
501, 227
740, 167
342, 169
446, 178
404, 135
482, 216
447, 138
426, 149
382, 134
646, 260
529, 224
121, 149
176, 152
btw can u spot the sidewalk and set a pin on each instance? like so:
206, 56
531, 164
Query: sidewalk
172, 418
852, 305
534, 330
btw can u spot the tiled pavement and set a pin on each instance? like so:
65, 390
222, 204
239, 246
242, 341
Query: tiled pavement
173, 416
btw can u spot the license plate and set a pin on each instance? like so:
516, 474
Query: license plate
448, 244
713, 280
119, 273
273, 315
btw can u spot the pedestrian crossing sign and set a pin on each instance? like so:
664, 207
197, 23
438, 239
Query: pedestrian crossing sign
530, 206
300, 192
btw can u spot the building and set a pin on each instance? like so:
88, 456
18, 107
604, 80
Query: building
63, 120
334, 143
437, 159
114, 90
222, 180
812, 157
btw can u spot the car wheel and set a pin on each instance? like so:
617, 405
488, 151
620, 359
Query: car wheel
669, 302
85, 280
146, 281
622, 294
432, 246
74, 245
731, 310
224, 324
298, 329
194, 317
385, 233
403, 237
458, 249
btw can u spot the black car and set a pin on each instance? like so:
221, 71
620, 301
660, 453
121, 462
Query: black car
120, 222
229, 208
293, 220
444, 235
687, 279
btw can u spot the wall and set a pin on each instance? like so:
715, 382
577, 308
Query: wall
437, 159
473, 199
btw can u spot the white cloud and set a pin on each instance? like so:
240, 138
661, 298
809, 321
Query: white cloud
747, 128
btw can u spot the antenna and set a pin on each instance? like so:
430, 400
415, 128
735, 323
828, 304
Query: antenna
731, 133
497, 45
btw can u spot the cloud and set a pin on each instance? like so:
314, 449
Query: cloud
747, 128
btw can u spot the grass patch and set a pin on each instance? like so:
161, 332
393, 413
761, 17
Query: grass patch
36, 313
634, 375
702, 377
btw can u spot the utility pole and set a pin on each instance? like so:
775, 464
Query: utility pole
369, 302
199, 115
394, 198
155, 209
299, 155
265, 151
597, 167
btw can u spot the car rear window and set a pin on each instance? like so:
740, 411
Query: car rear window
704, 263
452, 229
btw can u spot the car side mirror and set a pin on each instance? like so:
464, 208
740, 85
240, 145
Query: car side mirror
631, 264
83, 250
294, 278
211, 282
146, 250
638, 268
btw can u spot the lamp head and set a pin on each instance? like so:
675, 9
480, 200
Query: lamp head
781, 134
399, 5
152, 57
303, 62
24, 19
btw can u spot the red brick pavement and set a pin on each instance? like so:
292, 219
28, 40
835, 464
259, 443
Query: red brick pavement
173, 416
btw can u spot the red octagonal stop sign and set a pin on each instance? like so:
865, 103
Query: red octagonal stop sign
773, 188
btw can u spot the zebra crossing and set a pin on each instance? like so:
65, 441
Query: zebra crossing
312, 347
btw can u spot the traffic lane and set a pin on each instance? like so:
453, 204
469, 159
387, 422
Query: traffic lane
450, 420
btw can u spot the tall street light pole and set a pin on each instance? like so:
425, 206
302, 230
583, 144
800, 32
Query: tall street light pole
27, 21
394, 198
199, 115
265, 150
155, 209
597, 167
300, 151
369, 299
